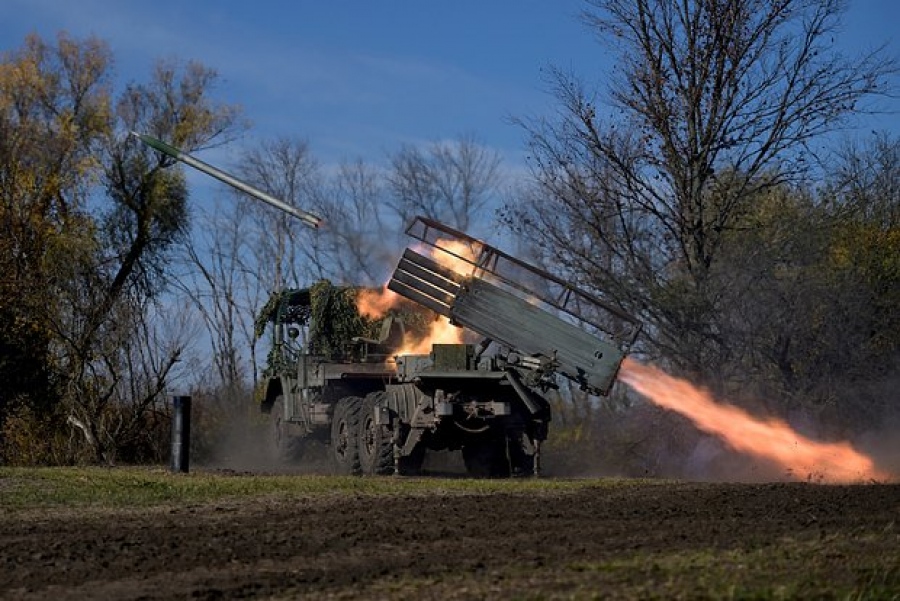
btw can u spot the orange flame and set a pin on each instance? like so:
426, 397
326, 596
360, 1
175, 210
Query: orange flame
771, 439
458, 257
376, 303
441, 332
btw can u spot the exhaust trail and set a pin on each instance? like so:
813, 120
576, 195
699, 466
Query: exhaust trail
767, 438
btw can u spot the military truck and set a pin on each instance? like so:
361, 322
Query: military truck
380, 411
342, 381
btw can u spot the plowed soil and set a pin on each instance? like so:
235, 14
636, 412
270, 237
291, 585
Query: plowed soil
610, 540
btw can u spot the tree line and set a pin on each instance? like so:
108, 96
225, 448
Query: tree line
703, 191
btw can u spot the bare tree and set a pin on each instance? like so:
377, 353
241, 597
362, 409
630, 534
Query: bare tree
224, 288
866, 181
712, 103
350, 245
452, 182
128, 381
287, 252
361, 230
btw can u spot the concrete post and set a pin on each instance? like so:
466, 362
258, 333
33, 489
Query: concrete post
181, 434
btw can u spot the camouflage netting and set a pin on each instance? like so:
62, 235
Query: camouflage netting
335, 320
286, 306
333, 317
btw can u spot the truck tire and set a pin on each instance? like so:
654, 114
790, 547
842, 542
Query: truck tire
345, 436
376, 445
280, 442
521, 454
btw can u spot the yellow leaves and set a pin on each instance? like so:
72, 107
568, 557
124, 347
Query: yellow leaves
842, 256
7, 77
868, 248
72, 245
19, 75
86, 61
183, 114
53, 108
66, 267
22, 85
25, 326
40, 83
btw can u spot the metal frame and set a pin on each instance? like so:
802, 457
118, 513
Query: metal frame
492, 264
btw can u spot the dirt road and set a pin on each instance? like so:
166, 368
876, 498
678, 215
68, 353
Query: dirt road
622, 539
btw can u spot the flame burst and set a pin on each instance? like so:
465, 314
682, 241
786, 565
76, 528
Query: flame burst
770, 439
375, 304
458, 256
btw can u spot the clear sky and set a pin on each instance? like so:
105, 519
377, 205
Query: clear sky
357, 78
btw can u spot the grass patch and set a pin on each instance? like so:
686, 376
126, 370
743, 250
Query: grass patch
30, 488
768, 573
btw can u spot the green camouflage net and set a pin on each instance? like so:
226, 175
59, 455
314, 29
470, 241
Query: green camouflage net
333, 318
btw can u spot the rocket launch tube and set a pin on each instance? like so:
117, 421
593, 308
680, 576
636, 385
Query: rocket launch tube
308, 218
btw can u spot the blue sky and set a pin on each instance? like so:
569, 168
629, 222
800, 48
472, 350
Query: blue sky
358, 78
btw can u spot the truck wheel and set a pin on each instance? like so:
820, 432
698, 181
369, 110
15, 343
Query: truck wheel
345, 436
376, 445
486, 458
280, 443
521, 454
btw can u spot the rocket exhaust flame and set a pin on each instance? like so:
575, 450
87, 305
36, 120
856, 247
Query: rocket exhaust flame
766, 438
376, 303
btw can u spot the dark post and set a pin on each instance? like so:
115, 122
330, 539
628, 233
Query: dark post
181, 433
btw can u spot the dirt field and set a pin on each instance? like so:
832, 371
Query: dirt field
609, 539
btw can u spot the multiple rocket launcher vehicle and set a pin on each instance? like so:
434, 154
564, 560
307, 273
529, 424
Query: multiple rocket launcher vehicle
379, 412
